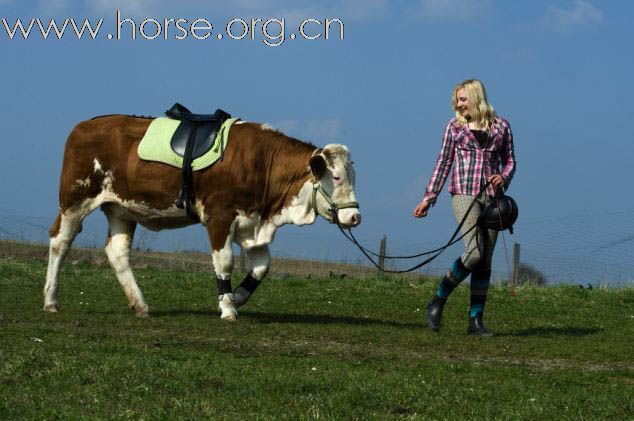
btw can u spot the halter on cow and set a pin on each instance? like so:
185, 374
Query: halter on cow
265, 180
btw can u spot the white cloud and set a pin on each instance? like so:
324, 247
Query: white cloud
130, 8
53, 7
453, 9
360, 9
288, 9
579, 13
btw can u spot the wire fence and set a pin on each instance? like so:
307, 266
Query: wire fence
595, 249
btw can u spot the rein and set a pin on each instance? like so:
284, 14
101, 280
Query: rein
334, 208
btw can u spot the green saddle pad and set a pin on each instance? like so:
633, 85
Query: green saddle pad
155, 145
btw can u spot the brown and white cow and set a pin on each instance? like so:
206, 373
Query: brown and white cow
265, 180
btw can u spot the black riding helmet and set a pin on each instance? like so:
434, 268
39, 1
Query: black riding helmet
499, 214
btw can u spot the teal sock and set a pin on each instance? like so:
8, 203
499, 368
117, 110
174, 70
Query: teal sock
480, 280
456, 274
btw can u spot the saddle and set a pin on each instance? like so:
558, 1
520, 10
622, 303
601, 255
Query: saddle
193, 138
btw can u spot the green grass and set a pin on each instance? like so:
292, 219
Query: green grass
352, 348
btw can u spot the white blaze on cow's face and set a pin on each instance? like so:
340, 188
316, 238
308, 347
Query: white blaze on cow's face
338, 181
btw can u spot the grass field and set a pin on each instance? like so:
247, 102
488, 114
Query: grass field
307, 348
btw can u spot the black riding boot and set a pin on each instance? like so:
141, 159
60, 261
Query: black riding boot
476, 327
434, 312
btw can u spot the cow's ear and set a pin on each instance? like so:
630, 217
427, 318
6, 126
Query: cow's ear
318, 166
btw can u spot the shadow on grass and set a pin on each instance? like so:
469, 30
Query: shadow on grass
185, 312
266, 318
554, 331
262, 317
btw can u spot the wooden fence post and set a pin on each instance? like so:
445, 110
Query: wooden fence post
382, 254
516, 265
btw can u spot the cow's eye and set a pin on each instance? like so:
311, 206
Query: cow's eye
336, 178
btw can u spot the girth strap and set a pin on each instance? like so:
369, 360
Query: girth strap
186, 198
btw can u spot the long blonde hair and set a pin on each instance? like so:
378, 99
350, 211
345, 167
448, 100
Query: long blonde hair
482, 113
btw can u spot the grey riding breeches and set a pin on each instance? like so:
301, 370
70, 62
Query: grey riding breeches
480, 242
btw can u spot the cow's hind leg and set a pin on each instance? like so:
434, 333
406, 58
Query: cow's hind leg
221, 238
261, 261
118, 245
64, 230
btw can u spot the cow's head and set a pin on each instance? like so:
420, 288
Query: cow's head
334, 183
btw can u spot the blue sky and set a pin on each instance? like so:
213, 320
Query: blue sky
559, 71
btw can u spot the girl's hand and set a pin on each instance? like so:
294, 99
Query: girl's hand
497, 181
421, 209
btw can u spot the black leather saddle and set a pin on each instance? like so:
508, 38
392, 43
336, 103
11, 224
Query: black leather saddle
180, 112
200, 128
193, 138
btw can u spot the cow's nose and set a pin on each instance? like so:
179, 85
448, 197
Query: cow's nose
356, 219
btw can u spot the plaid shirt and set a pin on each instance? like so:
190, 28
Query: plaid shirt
474, 163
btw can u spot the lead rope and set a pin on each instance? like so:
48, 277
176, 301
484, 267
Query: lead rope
350, 236
506, 253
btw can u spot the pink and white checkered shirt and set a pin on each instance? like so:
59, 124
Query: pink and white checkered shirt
473, 163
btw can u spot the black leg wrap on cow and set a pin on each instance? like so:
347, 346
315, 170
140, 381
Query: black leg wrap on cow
250, 283
224, 286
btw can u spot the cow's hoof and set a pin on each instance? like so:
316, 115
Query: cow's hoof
227, 307
229, 317
51, 308
228, 313
141, 311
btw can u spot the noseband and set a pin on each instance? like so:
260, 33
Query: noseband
334, 207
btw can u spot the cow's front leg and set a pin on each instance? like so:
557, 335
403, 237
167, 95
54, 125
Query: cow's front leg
221, 238
261, 261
